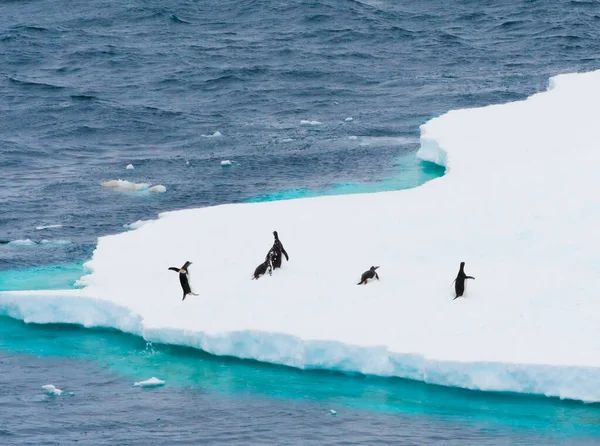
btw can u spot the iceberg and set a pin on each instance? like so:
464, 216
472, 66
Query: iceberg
518, 204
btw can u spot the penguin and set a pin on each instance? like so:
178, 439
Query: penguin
184, 279
368, 275
266, 266
459, 282
276, 252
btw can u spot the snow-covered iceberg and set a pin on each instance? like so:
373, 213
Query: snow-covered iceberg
518, 204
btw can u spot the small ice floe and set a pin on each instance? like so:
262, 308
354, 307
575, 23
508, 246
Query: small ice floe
306, 122
352, 137
287, 140
55, 242
152, 382
124, 185
332, 412
136, 224
39, 228
225, 163
158, 189
51, 390
187, 163
217, 134
22, 242
349, 119
128, 185
129, 167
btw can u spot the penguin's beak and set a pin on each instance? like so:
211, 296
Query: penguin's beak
376, 267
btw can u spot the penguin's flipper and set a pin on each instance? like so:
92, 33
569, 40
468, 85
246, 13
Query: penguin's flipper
470, 277
172, 268
456, 297
376, 276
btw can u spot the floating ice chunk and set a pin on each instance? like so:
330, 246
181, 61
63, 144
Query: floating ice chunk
349, 119
152, 382
124, 185
217, 134
23, 242
187, 163
306, 122
136, 224
332, 412
287, 140
225, 163
56, 242
39, 228
353, 137
158, 189
51, 390
129, 167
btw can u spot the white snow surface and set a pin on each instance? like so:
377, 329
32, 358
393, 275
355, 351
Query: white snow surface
152, 382
518, 204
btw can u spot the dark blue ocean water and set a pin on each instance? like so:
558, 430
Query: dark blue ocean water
89, 87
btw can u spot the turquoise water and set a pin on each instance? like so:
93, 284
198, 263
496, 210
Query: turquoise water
410, 172
51, 277
133, 358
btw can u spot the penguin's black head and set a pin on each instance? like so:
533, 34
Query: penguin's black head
462, 265
186, 264
373, 268
275, 235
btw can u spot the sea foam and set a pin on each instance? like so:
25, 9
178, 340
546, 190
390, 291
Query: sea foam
517, 204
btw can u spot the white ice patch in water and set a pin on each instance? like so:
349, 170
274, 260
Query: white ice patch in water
353, 137
307, 122
50, 389
128, 185
21, 243
39, 228
125, 185
152, 382
349, 119
129, 167
287, 140
56, 242
137, 224
158, 189
225, 163
533, 300
217, 134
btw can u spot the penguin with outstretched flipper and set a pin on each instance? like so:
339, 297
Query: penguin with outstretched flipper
184, 279
370, 274
459, 282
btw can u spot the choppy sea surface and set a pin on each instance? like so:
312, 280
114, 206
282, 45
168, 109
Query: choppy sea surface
304, 98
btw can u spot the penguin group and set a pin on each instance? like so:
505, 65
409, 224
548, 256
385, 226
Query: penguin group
274, 259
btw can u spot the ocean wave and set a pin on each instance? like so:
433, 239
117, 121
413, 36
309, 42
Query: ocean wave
40, 228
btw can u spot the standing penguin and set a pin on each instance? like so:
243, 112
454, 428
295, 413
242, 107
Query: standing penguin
459, 282
184, 279
276, 251
368, 275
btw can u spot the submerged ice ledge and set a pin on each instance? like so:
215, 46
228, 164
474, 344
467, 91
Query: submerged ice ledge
518, 204
577, 383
